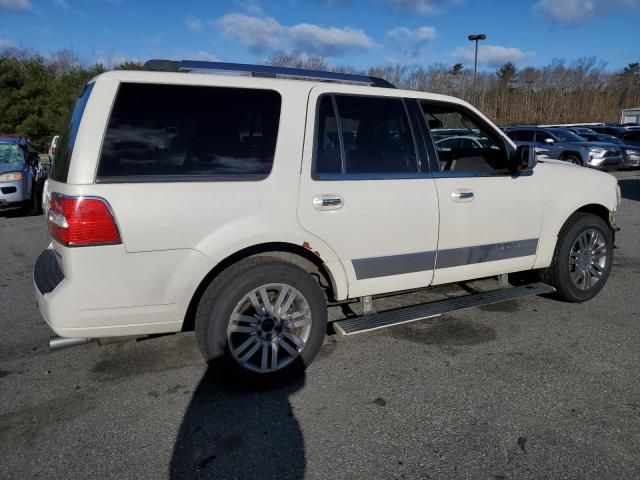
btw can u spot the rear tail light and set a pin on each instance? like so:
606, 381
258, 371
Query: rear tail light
81, 221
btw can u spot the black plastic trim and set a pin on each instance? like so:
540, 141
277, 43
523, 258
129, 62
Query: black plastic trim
46, 272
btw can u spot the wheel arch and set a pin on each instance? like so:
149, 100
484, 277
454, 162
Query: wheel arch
595, 209
549, 237
570, 153
298, 255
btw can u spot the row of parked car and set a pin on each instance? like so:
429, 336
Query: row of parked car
602, 146
22, 175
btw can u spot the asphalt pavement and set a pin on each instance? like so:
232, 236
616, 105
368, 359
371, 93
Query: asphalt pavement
533, 388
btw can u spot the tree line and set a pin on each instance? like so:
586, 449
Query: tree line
37, 92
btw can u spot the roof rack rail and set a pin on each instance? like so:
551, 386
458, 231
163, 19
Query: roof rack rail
263, 71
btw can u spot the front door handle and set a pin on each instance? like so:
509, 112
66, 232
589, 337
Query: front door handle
462, 196
328, 202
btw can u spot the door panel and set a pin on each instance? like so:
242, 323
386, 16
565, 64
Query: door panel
384, 226
497, 232
490, 221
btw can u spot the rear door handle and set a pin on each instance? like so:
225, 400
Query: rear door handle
462, 196
328, 202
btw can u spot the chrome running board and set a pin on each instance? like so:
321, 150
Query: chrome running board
367, 323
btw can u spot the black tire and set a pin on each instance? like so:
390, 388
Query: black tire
558, 274
572, 158
228, 289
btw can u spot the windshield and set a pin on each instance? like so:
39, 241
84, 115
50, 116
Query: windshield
608, 138
10, 153
566, 135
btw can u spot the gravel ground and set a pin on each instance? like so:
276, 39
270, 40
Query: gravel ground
525, 389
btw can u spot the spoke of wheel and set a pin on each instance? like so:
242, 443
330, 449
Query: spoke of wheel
298, 314
576, 276
265, 300
251, 351
237, 317
296, 341
595, 271
281, 297
244, 345
600, 249
265, 357
256, 304
290, 299
583, 242
274, 355
587, 279
594, 239
573, 259
288, 348
300, 323
241, 329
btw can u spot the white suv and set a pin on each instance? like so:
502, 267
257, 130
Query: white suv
240, 206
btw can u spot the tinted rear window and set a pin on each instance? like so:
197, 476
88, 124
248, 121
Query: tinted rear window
163, 132
60, 167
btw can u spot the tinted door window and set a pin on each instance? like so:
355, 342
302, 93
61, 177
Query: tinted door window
372, 136
544, 137
183, 131
466, 144
526, 135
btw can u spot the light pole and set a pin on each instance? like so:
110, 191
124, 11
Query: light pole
476, 38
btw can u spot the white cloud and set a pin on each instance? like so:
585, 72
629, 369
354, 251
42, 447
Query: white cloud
330, 41
17, 5
410, 45
491, 55
258, 34
578, 11
5, 43
422, 34
261, 34
194, 24
423, 7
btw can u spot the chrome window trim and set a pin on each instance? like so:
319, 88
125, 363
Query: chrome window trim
372, 176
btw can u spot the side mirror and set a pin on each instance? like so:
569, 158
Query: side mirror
521, 159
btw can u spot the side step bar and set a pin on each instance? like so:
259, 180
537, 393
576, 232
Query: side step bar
366, 323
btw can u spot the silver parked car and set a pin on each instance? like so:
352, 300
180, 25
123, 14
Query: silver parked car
21, 175
563, 144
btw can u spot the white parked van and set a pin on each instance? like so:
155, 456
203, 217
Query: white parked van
242, 205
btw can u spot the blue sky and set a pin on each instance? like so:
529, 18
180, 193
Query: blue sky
348, 32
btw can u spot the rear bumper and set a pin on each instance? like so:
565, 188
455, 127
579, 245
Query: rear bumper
104, 292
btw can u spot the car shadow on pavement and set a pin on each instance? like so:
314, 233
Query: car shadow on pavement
630, 189
230, 431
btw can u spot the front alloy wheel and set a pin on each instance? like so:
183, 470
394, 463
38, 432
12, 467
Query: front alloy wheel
269, 327
582, 260
588, 259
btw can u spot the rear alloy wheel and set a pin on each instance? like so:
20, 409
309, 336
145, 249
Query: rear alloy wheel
269, 327
262, 318
582, 260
